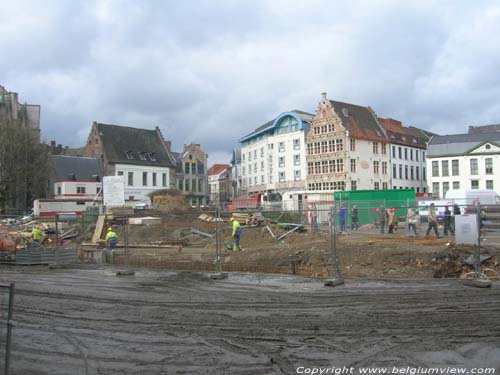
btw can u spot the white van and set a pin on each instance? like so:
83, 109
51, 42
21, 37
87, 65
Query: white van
472, 197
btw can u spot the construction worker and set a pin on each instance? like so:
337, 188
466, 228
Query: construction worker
111, 239
236, 234
448, 222
354, 218
36, 234
342, 217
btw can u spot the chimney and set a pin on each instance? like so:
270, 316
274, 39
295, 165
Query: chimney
323, 94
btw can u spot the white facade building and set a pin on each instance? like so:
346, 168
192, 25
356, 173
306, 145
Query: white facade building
273, 157
142, 180
75, 177
463, 162
408, 147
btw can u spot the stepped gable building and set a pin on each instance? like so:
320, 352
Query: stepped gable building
141, 156
347, 148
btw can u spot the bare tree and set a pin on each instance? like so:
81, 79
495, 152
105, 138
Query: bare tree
24, 166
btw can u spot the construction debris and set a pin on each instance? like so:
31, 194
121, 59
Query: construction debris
199, 232
287, 233
149, 220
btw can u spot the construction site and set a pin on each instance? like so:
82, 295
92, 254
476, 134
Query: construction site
401, 303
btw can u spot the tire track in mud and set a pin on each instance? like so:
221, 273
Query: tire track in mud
162, 324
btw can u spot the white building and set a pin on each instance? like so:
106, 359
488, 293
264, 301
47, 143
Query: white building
464, 162
75, 178
408, 147
347, 149
273, 156
140, 155
219, 183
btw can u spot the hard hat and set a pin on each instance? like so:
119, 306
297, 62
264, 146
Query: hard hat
110, 228
232, 218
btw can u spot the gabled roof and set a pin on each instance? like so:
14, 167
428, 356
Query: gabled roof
401, 135
143, 146
360, 121
217, 169
76, 168
456, 144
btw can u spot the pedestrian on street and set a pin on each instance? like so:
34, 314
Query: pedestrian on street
391, 220
412, 220
236, 234
433, 221
456, 212
448, 222
111, 239
381, 217
342, 217
354, 218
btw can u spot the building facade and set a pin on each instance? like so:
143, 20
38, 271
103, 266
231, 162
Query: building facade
408, 146
191, 174
219, 183
76, 178
236, 172
273, 155
347, 149
27, 115
464, 162
141, 156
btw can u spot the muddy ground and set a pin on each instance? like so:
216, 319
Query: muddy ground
89, 321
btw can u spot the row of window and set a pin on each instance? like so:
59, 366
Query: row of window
281, 148
193, 168
325, 166
142, 155
414, 172
406, 153
455, 167
145, 179
190, 185
281, 163
332, 145
253, 181
341, 185
474, 184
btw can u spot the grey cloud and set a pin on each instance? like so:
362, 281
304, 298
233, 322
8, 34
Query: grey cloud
211, 72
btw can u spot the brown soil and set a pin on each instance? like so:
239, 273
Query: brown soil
361, 253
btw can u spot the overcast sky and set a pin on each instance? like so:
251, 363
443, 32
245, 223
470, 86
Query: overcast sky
212, 71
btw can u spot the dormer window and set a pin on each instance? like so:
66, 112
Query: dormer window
130, 155
142, 155
403, 138
152, 156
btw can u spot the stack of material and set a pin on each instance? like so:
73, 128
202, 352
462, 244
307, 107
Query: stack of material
69, 234
98, 228
208, 218
149, 220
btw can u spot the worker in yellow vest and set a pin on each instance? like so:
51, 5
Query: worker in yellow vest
36, 234
236, 234
111, 239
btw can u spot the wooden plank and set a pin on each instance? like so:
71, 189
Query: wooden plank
98, 228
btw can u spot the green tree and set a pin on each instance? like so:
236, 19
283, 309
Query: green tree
24, 166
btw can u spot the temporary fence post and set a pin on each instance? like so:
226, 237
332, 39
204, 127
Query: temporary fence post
336, 277
218, 241
9, 329
125, 242
478, 255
